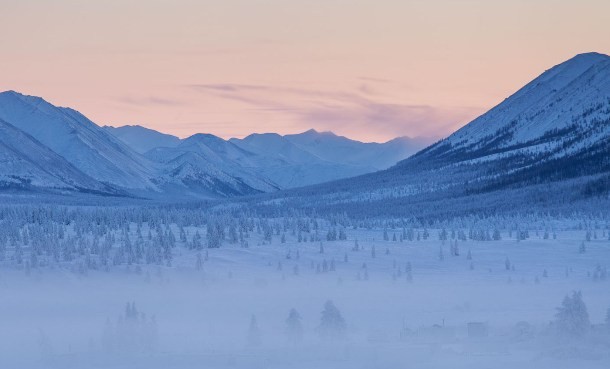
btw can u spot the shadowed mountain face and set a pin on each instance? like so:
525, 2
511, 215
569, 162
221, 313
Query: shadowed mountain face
26, 164
203, 160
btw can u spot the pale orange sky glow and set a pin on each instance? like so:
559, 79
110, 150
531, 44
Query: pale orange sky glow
371, 70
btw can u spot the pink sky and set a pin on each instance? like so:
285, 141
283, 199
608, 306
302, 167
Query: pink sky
371, 70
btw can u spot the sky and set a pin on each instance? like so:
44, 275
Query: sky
368, 69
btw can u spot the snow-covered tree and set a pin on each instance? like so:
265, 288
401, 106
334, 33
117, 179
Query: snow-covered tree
572, 318
332, 325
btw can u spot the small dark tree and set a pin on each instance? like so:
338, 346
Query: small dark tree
294, 328
254, 333
332, 324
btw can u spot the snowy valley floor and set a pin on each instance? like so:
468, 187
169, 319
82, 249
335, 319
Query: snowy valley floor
60, 317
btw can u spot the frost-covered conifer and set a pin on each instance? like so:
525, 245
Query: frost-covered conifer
572, 318
332, 325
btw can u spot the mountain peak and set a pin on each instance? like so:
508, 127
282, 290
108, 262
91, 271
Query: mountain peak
136, 128
10, 93
581, 62
591, 56
202, 137
13, 93
313, 132
18, 95
262, 135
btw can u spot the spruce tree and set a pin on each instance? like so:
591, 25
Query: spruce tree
332, 324
294, 328
572, 318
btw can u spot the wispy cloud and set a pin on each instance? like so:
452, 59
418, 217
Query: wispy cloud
149, 101
360, 110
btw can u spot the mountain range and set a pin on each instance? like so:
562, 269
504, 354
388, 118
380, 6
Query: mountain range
548, 142
288, 161
45, 148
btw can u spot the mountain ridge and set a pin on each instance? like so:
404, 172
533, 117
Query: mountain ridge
554, 131
281, 160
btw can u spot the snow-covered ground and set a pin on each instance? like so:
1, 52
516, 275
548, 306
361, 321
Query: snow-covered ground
63, 316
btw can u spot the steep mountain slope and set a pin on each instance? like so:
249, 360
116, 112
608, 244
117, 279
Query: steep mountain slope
342, 150
86, 157
78, 140
26, 164
142, 139
547, 144
569, 99
556, 122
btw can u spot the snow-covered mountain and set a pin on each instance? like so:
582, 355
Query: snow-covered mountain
275, 145
45, 147
547, 143
142, 139
208, 163
279, 161
291, 166
26, 164
78, 140
338, 149
145, 163
556, 127
545, 116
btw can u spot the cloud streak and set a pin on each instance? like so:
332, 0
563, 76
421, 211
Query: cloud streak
340, 111
150, 101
